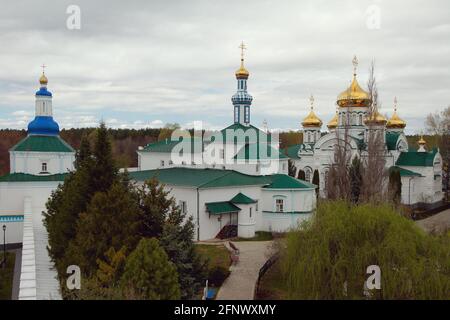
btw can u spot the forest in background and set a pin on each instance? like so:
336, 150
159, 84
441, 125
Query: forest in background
125, 142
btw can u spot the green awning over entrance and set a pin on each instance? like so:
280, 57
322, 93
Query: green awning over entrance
221, 207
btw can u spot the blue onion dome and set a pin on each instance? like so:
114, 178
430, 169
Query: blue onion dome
241, 97
43, 125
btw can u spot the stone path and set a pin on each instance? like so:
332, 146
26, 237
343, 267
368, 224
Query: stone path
437, 222
241, 283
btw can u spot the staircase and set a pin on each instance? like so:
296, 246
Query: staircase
229, 231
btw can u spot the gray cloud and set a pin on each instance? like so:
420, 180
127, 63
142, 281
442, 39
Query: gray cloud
141, 62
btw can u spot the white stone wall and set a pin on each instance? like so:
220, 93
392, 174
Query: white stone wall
31, 162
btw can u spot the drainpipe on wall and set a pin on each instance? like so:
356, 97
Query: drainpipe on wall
198, 215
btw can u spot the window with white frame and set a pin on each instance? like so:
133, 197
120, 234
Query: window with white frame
162, 163
307, 174
279, 205
183, 206
44, 168
251, 212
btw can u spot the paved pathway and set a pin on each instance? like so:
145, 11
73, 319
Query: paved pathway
437, 222
242, 280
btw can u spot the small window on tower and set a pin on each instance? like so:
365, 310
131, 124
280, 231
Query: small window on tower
44, 167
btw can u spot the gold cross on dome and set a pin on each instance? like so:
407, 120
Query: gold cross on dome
43, 68
395, 103
311, 100
355, 64
242, 47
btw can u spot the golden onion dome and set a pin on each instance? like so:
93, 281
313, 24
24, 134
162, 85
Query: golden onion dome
242, 73
43, 79
421, 141
395, 122
333, 122
376, 118
354, 96
312, 120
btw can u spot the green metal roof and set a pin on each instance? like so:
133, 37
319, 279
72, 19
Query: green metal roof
221, 207
241, 198
391, 140
416, 159
216, 178
405, 172
38, 143
252, 152
24, 177
199, 178
283, 181
167, 145
259, 134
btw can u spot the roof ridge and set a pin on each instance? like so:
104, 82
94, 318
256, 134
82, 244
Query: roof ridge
226, 173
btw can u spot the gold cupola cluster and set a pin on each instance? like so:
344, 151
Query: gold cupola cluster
354, 96
312, 120
395, 122
242, 73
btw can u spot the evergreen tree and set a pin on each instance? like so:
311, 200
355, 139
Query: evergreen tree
177, 241
111, 268
104, 171
149, 274
65, 205
155, 205
111, 220
316, 181
355, 172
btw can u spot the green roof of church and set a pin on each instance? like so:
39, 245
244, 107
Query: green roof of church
24, 177
405, 172
241, 198
216, 178
167, 145
283, 181
38, 143
416, 159
252, 152
221, 207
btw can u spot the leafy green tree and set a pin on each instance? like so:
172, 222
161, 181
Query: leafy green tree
395, 186
149, 274
327, 258
111, 268
111, 220
177, 241
355, 172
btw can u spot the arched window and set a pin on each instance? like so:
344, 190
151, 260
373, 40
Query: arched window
308, 174
360, 119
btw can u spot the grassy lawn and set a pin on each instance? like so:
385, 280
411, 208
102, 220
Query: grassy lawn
272, 285
6, 276
259, 236
217, 256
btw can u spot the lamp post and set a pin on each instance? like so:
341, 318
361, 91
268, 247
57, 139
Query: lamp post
4, 246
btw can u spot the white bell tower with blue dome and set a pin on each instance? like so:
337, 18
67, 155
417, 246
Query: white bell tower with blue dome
242, 100
42, 152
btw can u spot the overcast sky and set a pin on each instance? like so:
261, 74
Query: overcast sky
146, 63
